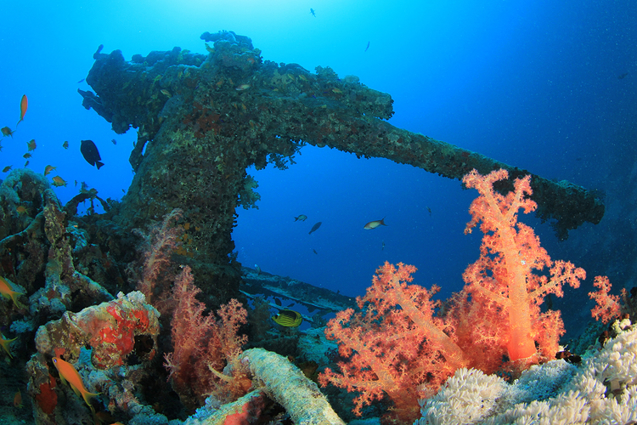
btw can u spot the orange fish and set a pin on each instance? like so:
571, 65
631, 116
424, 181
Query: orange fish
21, 209
374, 224
6, 290
69, 374
24, 103
58, 181
7, 168
17, 400
6, 343
48, 169
31, 145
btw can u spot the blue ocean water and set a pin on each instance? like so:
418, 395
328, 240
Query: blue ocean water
546, 86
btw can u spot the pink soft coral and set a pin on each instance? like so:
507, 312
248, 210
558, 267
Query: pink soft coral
157, 248
204, 345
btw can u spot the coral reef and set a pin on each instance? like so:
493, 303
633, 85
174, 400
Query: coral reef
203, 119
113, 330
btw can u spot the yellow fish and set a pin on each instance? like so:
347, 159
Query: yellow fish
69, 374
5, 343
6, 290
24, 103
209, 49
48, 169
288, 318
58, 181
31, 145
374, 224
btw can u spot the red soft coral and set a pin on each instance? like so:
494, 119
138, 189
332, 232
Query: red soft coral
203, 346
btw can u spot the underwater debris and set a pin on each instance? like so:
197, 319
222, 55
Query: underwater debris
288, 386
207, 121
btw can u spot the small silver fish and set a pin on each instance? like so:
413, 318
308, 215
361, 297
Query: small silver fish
374, 224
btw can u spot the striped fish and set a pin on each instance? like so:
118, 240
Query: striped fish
288, 318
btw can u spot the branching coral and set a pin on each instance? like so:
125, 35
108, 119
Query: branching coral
158, 245
203, 346
398, 341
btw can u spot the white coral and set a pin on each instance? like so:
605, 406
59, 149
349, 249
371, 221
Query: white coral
466, 397
602, 390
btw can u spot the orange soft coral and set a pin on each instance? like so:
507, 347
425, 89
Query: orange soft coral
399, 342
504, 274
608, 307
394, 344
